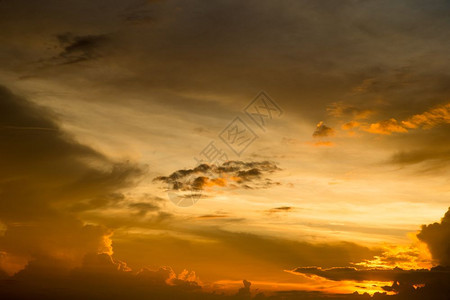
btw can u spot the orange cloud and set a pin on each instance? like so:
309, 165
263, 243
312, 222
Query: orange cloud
433, 117
324, 144
350, 125
385, 127
429, 119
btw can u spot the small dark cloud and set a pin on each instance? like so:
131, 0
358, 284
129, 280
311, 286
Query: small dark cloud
213, 216
245, 290
201, 130
323, 130
280, 209
79, 48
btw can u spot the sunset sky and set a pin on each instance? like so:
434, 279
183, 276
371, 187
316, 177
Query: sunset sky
222, 149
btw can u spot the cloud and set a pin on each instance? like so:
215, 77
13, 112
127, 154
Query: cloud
230, 174
323, 144
341, 109
281, 209
408, 284
437, 237
45, 175
386, 127
338, 49
411, 284
79, 48
440, 156
353, 274
323, 130
143, 208
101, 277
245, 291
431, 118
350, 125
213, 216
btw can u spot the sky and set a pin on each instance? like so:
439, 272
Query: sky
171, 149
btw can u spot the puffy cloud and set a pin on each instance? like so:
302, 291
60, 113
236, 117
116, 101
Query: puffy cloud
408, 284
101, 277
228, 174
437, 237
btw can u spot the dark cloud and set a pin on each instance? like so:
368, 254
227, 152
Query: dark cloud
437, 237
76, 48
323, 130
101, 277
244, 292
407, 284
428, 152
420, 156
318, 53
280, 209
395, 274
46, 178
213, 216
228, 174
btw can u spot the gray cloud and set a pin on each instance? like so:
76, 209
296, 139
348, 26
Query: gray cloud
434, 281
318, 53
436, 236
395, 274
280, 209
76, 48
323, 130
229, 174
46, 178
